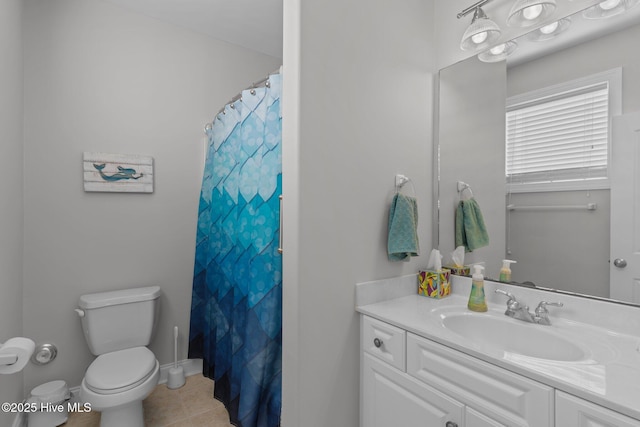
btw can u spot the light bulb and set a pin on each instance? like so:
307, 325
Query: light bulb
480, 37
497, 50
532, 12
608, 4
548, 29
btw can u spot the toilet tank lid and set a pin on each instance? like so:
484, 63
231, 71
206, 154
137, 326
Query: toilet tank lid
125, 296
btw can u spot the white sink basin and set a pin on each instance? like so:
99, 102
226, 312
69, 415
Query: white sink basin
513, 336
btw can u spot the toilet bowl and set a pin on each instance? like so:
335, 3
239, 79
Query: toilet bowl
118, 325
114, 387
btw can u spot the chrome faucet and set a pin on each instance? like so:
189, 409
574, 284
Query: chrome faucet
515, 309
521, 312
542, 314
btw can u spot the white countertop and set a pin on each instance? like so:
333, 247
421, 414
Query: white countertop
608, 375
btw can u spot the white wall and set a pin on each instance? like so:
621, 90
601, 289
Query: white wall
567, 250
11, 194
364, 92
100, 78
612, 51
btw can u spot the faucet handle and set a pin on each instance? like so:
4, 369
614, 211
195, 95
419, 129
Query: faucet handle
500, 291
512, 302
542, 307
512, 299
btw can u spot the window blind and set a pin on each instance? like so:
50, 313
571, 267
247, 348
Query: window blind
559, 138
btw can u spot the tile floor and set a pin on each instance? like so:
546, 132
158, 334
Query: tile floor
192, 405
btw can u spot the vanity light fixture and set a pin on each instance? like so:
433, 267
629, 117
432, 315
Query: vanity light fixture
498, 53
609, 8
526, 13
550, 31
482, 33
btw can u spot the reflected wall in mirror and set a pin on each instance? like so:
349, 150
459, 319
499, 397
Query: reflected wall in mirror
565, 249
471, 138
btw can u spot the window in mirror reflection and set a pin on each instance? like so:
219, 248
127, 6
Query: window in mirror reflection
558, 163
558, 138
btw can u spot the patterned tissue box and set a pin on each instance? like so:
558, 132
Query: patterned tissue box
460, 271
434, 284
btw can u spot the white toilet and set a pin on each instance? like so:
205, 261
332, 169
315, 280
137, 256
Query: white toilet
117, 326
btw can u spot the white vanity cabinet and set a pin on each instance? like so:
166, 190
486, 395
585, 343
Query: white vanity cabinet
410, 381
392, 398
572, 411
432, 363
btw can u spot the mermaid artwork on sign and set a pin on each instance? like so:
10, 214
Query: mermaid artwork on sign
123, 173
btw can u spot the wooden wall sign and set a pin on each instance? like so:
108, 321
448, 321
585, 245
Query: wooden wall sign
127, 173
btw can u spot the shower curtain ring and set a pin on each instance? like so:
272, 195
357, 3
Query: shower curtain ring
252, 91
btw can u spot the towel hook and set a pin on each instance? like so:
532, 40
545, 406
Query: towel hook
464, 186
401, 180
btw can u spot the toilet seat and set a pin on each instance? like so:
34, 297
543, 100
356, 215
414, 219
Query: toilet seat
120, 370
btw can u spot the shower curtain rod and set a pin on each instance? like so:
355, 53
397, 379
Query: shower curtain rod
254, 85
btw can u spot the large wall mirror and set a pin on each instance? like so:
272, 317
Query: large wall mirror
559, 225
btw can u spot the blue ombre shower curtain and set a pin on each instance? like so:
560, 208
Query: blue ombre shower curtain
236, 309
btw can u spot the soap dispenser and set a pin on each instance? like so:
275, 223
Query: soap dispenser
477, 301
505, 271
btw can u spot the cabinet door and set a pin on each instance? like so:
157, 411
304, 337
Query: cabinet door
572, 411
392, 398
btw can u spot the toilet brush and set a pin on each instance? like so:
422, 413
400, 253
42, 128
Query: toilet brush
176, 374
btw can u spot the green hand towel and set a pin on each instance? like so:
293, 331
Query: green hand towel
402, 241
470, 229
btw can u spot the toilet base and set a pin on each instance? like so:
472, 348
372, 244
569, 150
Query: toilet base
130, 415
121, 409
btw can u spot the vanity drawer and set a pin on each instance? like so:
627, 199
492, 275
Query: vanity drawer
506, 397
384, 341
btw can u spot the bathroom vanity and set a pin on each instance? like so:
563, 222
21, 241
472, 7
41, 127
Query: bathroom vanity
428, 362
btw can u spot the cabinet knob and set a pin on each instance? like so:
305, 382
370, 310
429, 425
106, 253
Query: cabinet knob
377, 342
620, 262
451, 424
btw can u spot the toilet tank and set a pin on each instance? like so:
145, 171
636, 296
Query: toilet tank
118, 320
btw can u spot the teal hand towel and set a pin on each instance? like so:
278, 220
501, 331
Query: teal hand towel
402, 241
470, 229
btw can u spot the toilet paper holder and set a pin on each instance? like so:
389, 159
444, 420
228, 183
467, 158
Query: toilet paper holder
43, 354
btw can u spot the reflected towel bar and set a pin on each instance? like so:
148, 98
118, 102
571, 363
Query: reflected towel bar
588, 207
